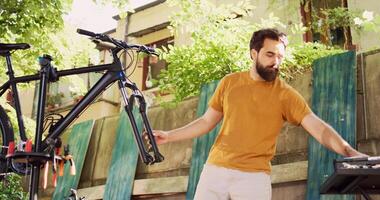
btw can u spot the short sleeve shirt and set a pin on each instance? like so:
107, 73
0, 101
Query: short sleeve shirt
253, 115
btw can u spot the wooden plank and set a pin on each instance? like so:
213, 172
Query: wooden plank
122, 170
79, 139
334, 101
203, 144
160, 185
92, 193
104, 149
142, 186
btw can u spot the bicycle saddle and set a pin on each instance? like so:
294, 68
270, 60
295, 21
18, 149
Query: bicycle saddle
9, 47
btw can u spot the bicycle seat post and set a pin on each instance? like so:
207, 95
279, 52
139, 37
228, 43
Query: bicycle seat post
9, 65
16, 98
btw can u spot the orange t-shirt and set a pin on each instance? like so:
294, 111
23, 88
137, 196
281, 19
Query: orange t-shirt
253, 115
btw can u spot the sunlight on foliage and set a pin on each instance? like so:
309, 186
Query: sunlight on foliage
300, 57
220, 45
40, 24
30, 21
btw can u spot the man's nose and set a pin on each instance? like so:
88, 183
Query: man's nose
276, 63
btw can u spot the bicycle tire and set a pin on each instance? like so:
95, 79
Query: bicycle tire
6, 136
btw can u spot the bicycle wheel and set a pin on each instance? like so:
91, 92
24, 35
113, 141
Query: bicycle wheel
6, 136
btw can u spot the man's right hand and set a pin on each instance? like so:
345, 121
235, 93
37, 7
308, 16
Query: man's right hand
161, 137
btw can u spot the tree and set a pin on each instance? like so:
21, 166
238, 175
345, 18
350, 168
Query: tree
37, 22
33, 22
40, 23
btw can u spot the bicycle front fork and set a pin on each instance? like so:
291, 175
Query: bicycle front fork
128, 106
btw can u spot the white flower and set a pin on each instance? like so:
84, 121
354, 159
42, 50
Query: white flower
358, 21
319, 23
367, 15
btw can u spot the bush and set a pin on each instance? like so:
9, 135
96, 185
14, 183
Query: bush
10, 188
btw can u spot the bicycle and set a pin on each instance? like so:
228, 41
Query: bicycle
13, 159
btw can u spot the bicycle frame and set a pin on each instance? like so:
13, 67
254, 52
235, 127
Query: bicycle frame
109, 77
113, 72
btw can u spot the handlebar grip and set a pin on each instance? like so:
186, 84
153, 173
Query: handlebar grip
148, 50
84, 32
151, 49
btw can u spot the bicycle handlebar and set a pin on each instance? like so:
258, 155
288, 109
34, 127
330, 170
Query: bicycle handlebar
85, 32
118, 43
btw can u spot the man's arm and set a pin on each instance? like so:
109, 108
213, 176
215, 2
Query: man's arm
194, 129
327, 136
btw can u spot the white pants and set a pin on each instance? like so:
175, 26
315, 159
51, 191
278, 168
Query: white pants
219, 183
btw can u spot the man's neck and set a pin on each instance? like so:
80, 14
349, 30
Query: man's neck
254, 75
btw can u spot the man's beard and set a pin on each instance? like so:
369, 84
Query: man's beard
268, 73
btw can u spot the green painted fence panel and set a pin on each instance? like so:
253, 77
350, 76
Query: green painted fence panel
201, 145
122, 171
334, 101
78, 141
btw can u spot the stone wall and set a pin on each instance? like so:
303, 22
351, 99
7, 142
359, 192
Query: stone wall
368, 102
368, 119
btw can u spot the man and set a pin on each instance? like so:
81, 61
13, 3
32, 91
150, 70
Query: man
254, 105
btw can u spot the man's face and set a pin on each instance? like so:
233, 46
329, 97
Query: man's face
269, 58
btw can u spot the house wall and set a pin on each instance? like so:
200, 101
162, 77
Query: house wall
150, 17
26, 94
368, 102
287, 11
369, 40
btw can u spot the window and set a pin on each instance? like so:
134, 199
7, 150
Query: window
332, 36
152, 65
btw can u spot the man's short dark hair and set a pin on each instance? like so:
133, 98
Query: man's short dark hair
258, 37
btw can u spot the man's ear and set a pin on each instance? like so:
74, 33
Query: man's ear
253, 54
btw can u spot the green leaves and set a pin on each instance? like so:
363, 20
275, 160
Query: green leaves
40, 24
10, 188
300, 58
25, 18
220, 39
30, 21
332, 18
207, 60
